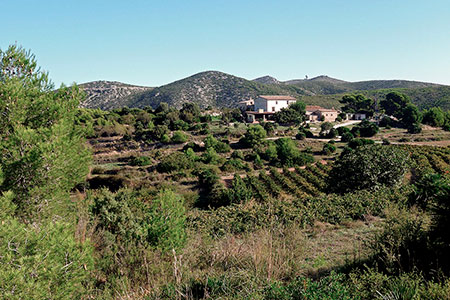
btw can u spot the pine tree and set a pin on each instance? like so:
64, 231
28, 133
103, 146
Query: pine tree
42, 154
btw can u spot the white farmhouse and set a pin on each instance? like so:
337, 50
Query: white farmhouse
265, 106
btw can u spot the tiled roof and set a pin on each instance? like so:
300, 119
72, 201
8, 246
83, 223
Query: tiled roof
313, 107
277, 97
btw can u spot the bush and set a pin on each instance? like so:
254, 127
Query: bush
289, 155
174, 162
238, 154
140, 161
434, 117
167, 221
210, 156
222, 147
233, 165
355, 143
43, 262
369, 166
328, 148
179, 137
347, 137
367, 128
254, 136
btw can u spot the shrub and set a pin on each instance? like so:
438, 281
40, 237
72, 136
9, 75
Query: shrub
233, 165
165, 139
367, 128
355, 143
166, 221
179, 137
238, 154
174, 162
347, 137
210, 156
254, 136
43, 262
140, 161
369, 166
239, 192
328, 148
289, 155
222, 147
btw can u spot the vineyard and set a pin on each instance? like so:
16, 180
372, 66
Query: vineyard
312, 180
429, 159
299, 183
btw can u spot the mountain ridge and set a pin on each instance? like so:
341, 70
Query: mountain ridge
218, 89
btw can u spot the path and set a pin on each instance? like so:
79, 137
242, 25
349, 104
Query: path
347, 123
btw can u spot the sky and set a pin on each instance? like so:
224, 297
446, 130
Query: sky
156, 42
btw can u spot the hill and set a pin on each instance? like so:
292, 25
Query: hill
267, 80
424, 98
217, 89
110, 94
210, 88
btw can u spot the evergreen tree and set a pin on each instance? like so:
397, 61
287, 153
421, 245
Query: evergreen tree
42, 153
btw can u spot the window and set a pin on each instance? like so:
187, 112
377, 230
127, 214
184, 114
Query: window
273, 108
326, 115
276, 102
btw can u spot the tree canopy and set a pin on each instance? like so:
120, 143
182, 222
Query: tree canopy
42, 153
358, 104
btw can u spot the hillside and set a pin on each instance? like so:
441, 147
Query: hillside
217, 89
424, 98
209, 88
109, 94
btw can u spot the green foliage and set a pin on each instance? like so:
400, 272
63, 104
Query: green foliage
355, 143
44, 262
367, 167
331, 287
233, 164
434, 117
289, 116
174, 162
394, 104
166, 221
239, 192
210, 156
218, 146
254, 136
130, 222
328, 149
179, 137
367, 128
289, 154
411, 115
347, 137
42, 152
358, 104
140, 161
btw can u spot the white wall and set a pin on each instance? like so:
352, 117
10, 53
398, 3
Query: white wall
267, 105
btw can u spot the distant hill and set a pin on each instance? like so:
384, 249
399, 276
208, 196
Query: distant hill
110, 94
217, 89
424, 98
210, 88
267, 80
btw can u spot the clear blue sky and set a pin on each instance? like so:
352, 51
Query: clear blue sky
156, 42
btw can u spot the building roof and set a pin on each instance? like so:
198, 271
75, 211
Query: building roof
313, 107
327, 109
277, 97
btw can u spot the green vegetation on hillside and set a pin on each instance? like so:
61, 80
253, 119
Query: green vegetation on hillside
168, 203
